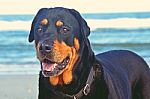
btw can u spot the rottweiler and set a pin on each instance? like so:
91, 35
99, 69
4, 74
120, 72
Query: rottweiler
71, 70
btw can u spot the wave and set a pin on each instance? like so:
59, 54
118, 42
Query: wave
17, 69
15, 25
119, 23
140, 45
93, 24
123, 31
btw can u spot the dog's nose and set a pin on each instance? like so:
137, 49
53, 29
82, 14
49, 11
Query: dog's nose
45, 48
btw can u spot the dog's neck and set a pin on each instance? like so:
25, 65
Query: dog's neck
80, 74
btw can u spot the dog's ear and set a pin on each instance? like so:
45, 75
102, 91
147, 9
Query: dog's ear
39, 13
85, 30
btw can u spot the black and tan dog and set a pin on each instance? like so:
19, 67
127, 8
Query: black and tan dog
69, 68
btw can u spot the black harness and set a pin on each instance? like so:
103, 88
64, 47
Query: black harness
95, 72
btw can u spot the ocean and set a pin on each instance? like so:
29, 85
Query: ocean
109, 31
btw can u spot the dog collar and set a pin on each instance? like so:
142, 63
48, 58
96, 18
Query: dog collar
94, 73
87, 88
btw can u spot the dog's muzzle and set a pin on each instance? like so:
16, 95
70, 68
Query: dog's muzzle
51, 60
45, 48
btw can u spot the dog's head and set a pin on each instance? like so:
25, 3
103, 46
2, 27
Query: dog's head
58, 34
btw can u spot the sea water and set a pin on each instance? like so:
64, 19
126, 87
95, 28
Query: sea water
109, 31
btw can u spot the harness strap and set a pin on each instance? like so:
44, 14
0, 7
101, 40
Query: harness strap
94, 72
86, 90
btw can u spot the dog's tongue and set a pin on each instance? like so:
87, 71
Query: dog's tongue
48, 67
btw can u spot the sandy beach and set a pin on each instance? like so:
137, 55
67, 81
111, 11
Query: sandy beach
18, 86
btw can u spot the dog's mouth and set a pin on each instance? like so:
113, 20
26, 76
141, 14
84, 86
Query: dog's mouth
51, 68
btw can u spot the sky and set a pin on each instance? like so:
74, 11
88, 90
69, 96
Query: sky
83, 6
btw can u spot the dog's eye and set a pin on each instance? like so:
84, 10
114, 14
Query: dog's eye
65, 29
39, 30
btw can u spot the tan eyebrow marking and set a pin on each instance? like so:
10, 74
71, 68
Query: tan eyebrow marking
59, 23
44, 22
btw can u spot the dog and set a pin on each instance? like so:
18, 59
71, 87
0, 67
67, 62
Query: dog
71, 70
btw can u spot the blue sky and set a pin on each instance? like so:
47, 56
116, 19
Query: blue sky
84, 6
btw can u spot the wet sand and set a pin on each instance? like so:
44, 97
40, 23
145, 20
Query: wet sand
18, 86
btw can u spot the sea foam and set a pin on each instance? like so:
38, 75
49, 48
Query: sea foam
93, 24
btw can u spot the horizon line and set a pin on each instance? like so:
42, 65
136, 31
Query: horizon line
111, 12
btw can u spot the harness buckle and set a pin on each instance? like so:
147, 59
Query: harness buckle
74, 97
86, 89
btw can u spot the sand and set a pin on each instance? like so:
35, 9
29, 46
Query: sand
18, 86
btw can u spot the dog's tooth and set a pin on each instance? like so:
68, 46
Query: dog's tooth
52, 68
63, 66
55, 65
